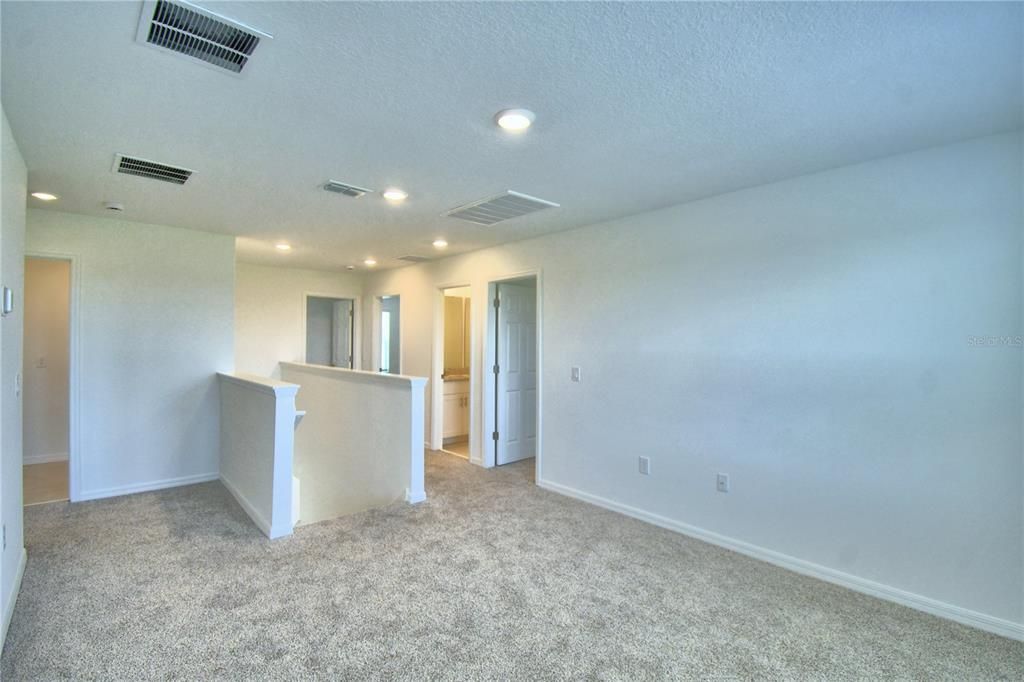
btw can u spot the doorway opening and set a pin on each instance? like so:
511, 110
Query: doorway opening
389, 325
513, 390
455, 377
330, 331
46, 372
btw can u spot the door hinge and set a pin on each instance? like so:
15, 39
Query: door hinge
497, 302
496, 369
494, 435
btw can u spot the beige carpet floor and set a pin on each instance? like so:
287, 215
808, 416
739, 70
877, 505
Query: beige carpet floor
491, 578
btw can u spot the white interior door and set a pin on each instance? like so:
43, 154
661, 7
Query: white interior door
341, 334
516, 403
329, 326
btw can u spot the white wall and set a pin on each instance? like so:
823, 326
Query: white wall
47, 338
360, 445
270, 313
13, 178
257, 436
811, 338
156, 305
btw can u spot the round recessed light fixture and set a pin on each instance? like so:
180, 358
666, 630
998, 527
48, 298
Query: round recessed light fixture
350, 267
283, 247
44, 196
514, 120
369, 262
395, 195
440, 244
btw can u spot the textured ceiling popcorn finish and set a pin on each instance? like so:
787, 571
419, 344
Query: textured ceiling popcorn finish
675, 101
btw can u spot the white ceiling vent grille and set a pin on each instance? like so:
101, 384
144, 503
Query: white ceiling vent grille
414, 259
143, 168
504, 206
346, 189
192, 31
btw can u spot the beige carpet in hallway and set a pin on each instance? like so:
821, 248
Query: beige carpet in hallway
491, 578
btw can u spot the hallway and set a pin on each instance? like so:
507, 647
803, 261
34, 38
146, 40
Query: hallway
491, 577
46, 482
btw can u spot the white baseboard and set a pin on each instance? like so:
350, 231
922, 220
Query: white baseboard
999, 626
415, 497
44, 459
145, 487
15, 589
257, 518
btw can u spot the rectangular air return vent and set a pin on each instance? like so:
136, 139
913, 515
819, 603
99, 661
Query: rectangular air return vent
504, 206
130, 165
192, 31
347, 190
414, 259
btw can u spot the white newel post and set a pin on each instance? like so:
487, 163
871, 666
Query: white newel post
257, 444
416, 491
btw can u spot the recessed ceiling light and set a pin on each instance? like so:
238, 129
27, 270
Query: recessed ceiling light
514, 120
394, 194
350, 267
44, 196
440, 244
369, 262
283, 247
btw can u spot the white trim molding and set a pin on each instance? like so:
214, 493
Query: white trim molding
146, 487
975, 619
15, 589
45, 458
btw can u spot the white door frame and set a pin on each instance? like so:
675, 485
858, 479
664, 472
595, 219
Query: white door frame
487, 395
375, 310
437, 369
356, 326
74, 367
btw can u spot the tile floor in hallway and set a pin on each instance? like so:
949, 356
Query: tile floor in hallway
46, 482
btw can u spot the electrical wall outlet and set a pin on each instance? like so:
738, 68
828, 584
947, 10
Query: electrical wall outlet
645, 466
575, 374
723, 483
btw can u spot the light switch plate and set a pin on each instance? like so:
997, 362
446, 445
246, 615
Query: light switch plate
575, 374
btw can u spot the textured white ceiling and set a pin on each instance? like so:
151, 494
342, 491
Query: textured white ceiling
638, 106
